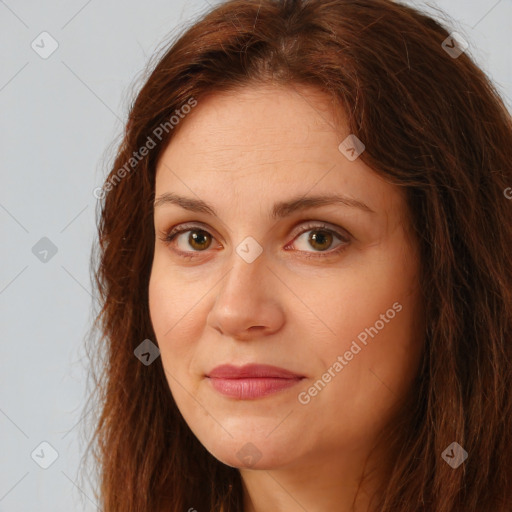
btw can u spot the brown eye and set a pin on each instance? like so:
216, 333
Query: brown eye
320, 240
197, 239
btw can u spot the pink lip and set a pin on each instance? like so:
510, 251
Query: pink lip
251, 381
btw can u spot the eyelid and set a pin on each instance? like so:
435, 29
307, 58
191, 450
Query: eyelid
303, 227
179, 229
307, 225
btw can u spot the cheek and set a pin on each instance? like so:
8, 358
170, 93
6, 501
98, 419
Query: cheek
361, 392
171, 315
379, 337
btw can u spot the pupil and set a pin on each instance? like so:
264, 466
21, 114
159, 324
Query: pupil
195, 238
321, 239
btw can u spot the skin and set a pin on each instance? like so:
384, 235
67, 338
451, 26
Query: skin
242, 151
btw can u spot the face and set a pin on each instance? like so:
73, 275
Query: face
263, 271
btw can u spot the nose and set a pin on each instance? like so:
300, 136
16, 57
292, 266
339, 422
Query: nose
247, 304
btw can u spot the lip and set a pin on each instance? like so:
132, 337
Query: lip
251, 371
251, 381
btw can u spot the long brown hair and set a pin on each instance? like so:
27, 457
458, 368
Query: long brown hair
431, 123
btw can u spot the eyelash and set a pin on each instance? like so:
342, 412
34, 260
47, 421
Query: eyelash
169, 236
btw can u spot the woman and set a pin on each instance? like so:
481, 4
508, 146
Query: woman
305, 268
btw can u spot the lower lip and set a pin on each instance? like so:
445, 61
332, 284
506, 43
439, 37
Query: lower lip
247, 389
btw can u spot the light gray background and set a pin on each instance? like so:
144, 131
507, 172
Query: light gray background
60, 118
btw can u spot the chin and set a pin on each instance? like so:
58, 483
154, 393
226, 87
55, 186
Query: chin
246, 452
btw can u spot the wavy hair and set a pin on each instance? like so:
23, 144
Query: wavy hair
431, 123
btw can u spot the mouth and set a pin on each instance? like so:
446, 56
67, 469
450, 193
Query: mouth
251, 381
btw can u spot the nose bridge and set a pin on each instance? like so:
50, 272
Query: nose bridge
248, 269
244, 298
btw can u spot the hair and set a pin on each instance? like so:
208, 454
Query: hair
433, 125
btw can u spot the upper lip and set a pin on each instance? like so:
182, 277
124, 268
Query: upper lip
227, 371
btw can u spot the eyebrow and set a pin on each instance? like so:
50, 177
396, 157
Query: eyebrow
281, 209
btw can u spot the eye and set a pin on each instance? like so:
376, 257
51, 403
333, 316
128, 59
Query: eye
321, 238
198, 239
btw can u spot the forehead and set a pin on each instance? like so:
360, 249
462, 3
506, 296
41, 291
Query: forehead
264, 143
262, 120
